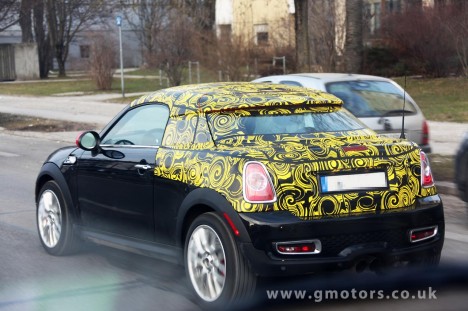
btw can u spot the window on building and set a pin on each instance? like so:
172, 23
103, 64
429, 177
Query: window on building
261, 34
84, 51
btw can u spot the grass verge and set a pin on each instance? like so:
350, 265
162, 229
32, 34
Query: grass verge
442, 99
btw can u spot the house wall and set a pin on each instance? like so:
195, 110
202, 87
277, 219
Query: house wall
262, 22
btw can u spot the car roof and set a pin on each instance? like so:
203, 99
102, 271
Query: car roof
224, 96
330, 77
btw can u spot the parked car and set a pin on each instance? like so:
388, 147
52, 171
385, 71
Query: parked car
240, 180
461, 168
376, 101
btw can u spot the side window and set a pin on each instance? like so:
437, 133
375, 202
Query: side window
141, 126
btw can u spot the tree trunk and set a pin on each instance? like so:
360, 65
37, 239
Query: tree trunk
353, 41
302, 35
25, 21
42, 40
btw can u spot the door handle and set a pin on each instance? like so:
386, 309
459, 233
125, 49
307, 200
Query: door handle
143, 166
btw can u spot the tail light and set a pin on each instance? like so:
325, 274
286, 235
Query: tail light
425, 134
257, 184
426, 173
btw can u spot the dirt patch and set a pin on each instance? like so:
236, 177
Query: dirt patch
15, 122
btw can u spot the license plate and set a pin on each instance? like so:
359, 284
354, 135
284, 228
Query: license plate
353, 182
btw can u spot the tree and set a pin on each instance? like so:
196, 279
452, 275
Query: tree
175, 47
8, 13
303, 51
65, 19
42, 39
202, 12
147, 18
25, 21
102, 61
353, 41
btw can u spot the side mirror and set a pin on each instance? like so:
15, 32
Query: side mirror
89, 141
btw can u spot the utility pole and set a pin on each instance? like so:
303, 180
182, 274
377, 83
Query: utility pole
118, 20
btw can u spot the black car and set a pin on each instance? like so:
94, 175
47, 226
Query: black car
240, 180
461, 168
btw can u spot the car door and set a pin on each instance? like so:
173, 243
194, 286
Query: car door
115, 186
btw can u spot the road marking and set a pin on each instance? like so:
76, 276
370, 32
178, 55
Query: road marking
456, 236
8, 155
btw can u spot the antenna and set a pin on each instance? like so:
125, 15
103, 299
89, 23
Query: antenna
402, 135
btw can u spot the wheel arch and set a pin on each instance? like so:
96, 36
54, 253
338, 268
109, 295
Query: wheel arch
49, 172
204, 200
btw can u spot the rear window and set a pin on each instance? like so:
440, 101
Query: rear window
279, 122
371, 98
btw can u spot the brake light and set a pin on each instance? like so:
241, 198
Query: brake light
425, 134
426, 173
257, 185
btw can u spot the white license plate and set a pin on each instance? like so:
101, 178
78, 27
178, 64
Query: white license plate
353, 182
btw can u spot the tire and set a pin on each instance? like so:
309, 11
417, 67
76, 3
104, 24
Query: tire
55, 222
213, 262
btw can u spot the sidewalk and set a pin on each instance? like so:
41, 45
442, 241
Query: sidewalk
90, 108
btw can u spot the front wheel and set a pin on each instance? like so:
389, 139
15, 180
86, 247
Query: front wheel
55, 222
217, 272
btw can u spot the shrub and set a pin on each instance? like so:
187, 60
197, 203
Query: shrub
102, 61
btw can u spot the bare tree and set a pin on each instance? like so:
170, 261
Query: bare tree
176, 47
421, 40
202, 12
8, 13
102, 61
457, 27
65, 19
147, 18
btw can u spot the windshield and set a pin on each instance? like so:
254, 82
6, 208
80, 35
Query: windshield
284, 122
371, 98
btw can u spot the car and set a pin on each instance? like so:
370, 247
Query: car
378, 102
236, 181
461, 168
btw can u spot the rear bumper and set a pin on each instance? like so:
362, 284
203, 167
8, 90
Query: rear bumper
382, 238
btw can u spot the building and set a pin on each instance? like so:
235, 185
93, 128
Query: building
261, 22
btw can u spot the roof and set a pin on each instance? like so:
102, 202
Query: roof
224, 96
332, 77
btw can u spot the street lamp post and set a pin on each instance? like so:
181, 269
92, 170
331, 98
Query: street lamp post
118, 20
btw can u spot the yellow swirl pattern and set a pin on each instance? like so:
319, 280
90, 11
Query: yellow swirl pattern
294, 162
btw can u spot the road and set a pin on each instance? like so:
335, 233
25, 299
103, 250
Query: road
99, 278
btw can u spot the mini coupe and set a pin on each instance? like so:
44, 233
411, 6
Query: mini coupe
241, 180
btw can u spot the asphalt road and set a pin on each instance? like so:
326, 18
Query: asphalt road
103, 279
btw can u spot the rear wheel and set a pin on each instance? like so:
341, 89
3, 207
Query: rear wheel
54, 221
218, 274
